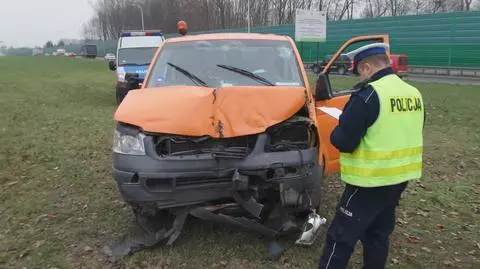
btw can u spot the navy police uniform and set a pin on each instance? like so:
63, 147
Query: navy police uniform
365, 214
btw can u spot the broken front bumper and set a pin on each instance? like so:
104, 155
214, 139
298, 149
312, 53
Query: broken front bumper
197, 179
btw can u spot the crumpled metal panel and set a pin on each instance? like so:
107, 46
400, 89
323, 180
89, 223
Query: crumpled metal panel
198, 111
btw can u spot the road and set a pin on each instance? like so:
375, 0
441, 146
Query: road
444, 79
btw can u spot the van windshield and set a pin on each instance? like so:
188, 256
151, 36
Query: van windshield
135, 56
221, 63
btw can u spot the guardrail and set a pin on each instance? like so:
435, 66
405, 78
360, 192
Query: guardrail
433, 71
445, 71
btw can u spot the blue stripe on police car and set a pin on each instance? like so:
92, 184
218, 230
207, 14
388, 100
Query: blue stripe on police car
141, 70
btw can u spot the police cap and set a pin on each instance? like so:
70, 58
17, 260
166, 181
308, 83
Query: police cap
365, 51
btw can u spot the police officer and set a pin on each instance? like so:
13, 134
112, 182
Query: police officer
380, 137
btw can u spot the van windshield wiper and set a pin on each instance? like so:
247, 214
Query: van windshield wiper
247, 74
191, 76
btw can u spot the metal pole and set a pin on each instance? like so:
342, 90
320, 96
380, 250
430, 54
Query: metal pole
248, 15
141, 13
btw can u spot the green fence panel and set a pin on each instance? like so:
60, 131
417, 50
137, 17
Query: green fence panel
444, 39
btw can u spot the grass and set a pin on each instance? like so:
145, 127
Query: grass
59, 204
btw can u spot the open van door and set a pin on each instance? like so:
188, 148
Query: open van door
328, 97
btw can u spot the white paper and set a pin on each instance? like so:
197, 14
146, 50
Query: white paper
332, 111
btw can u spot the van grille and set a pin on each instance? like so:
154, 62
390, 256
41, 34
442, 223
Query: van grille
236, 147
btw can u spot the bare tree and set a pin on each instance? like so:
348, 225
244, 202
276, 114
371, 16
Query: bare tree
464, 5
113, 16
476, 5
419, 6
375, 8
439, 6
399, 7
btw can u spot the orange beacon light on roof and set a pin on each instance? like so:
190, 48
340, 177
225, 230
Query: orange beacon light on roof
182, 27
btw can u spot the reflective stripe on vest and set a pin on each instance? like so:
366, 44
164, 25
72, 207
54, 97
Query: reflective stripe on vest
391, 150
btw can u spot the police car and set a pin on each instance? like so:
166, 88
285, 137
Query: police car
135, 50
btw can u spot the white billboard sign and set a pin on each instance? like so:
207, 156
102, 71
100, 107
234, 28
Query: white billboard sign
310, 25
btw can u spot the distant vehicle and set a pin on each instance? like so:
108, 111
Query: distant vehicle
89, 51
399, 64
54, 53
60, 52
109, 57
341, 66
135, 50
71, 54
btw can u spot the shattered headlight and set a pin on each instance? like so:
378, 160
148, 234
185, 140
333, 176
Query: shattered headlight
296, 133
128, 144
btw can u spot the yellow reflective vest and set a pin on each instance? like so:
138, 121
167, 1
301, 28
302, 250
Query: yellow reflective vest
391, 150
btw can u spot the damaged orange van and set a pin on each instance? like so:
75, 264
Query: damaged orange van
224, 127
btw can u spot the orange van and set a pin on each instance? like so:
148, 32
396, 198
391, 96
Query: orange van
225, 127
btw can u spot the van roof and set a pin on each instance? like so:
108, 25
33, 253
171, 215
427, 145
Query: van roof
228, 36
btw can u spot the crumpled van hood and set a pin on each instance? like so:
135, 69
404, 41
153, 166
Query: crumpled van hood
199, 111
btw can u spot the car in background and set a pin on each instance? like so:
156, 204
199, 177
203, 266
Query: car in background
399, 64
109, 57
89, 51
341, 66
135, 50
60, 52
71, 54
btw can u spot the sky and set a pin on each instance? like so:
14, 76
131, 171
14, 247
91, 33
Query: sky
34, 22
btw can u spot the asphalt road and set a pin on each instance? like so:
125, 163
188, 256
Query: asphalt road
444, 79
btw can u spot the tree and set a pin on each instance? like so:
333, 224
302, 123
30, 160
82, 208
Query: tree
49, 44
468, 3
375, 8
113, 16
418, 6
477, 6
398, 7
61, 43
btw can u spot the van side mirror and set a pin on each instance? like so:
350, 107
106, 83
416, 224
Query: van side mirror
322, 88
112, 65
133, 81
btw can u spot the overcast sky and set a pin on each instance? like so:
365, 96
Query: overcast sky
34, 22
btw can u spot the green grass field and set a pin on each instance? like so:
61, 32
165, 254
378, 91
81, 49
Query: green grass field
59, 204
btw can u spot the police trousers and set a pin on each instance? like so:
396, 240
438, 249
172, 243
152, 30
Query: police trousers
365, 214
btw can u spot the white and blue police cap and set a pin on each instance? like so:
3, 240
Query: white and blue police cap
365, 51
